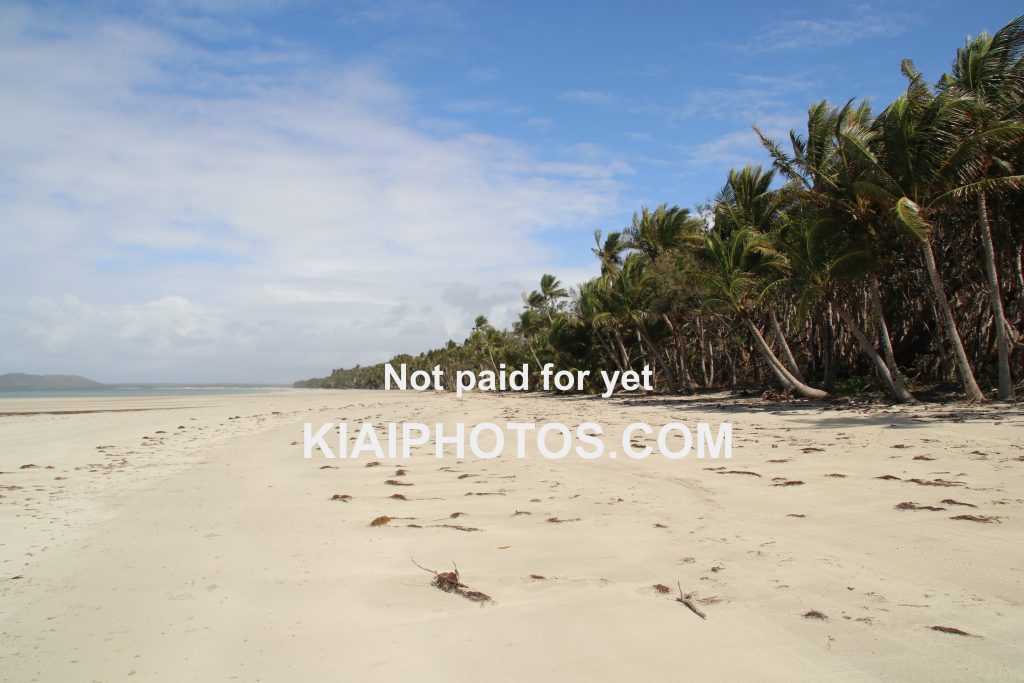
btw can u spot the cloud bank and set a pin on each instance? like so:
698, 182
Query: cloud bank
171, 212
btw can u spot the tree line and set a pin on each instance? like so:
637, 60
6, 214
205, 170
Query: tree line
879, 252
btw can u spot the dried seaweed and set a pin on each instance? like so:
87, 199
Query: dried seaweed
451, 582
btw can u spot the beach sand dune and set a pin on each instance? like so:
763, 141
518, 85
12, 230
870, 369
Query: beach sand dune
192, 541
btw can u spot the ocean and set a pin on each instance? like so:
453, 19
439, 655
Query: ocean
130, 391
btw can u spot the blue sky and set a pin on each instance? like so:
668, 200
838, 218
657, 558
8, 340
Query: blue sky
215, 190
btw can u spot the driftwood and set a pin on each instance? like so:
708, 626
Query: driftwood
953, 631
689, 603
450, 582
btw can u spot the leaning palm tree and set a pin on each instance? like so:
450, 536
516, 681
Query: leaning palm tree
824, 177
990, 69
741, 272
824, 261
747, 200
914, 154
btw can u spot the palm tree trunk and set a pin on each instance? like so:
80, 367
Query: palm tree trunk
684, 369
971, 387
886, 340
659, 358
896, 387
883, 327
829, 350
1005, 391
787, 354
622, 347
788, 381
608, 349
1018, 271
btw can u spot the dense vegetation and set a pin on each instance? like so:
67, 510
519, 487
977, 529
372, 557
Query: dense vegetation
880, 250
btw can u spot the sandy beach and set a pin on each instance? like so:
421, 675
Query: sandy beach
182, 539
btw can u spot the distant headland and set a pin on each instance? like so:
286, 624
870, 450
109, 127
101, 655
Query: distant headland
19, 381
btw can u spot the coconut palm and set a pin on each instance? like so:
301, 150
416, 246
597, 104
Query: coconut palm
741, 272
915, 164
991, 70
825, 177
609, 252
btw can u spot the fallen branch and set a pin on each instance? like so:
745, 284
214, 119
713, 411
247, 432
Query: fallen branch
686, 601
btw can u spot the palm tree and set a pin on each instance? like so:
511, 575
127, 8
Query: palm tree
551, 291
664, 229
631, 288
823, 260
991, 70
742, 270
824, 179
748, 201
915, 164
609, 252
667, 232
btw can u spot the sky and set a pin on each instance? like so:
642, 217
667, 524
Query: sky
225, 191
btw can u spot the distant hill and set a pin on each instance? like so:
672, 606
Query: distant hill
18, 381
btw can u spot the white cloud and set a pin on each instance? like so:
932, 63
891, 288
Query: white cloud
169, 216
796, 34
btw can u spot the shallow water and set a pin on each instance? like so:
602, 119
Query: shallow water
129, 391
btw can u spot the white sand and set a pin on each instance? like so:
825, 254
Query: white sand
214, 553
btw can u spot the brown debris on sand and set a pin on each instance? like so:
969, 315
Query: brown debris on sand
400, 472
934, 482
557, 520
789, 482
395, 482
521, 512
950, 501
954, 631
982, 519
907, 505
836, 475
739, 472
815, 614
923, 457
380, 521
661, 588
372, 463
538, 577
888, 477
451, 582
343, 497
397, 496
